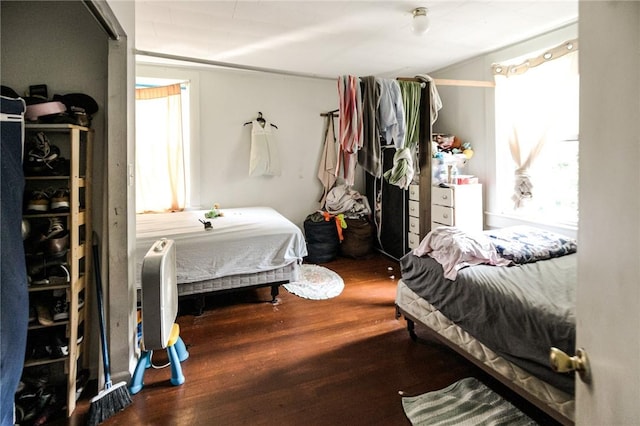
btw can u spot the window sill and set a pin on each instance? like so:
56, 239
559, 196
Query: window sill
501, 220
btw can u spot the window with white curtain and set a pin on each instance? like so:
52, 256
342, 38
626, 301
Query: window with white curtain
537, 143
162, 147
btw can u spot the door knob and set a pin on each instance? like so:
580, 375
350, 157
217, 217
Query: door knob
563, 363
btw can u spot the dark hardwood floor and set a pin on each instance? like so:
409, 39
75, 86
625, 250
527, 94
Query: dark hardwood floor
340, 361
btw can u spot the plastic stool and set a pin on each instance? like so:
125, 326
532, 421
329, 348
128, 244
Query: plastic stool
177, 352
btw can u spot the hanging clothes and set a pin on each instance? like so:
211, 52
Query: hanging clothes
328, 160
391, 113
436, 102
404, 160
264, 157
350, 133
370, 156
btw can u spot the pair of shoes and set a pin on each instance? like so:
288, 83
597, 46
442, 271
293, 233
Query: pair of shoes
52, 409
43, 201
52, 309
35, 406
42, 270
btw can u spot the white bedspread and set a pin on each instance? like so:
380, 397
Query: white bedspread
243, 241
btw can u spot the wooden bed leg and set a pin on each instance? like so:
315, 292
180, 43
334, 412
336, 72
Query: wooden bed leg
198, 304
275, 290
411, 328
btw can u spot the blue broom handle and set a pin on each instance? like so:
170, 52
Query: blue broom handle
103, 332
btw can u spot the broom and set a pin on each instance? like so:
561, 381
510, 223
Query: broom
113, 398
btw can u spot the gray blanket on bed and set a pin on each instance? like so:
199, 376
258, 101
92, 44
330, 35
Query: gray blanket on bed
518, 311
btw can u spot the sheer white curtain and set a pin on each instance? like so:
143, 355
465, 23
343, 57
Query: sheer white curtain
160, 162
534, 101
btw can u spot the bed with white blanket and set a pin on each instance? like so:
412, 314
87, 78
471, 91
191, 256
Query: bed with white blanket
502, 299
246, 247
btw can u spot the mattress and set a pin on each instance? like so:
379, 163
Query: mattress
519, 311
541, 393
242, 243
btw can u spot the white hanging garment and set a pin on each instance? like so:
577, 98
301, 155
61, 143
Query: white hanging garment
264, 158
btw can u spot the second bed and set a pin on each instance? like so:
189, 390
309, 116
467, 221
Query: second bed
246, 247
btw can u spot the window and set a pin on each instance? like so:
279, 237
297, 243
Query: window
537, 144
162, 146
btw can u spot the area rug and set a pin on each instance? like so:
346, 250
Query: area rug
316, 282
466, 402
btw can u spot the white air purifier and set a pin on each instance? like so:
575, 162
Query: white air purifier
159, 294
159, 312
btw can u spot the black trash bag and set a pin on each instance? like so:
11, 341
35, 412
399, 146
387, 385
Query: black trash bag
322, 239
357, 238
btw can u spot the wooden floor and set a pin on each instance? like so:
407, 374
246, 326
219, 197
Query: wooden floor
340, 361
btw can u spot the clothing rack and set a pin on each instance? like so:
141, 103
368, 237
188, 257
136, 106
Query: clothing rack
333, 113
449, 82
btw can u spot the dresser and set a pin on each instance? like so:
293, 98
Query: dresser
457, 205
415, 232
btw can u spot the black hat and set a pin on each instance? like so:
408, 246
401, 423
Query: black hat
78, 102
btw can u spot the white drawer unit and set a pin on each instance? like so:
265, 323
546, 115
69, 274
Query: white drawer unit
457, 205
413, 237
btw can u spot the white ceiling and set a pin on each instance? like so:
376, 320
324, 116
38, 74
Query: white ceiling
331, 38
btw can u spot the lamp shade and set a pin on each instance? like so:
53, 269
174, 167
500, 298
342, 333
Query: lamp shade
421, 22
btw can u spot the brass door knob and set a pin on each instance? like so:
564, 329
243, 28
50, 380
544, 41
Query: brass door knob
563, 363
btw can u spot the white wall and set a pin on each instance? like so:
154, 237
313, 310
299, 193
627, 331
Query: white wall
226, 99
469, 112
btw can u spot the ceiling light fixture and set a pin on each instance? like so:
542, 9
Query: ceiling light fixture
421, 22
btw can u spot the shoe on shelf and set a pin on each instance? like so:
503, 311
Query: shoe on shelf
40, 155
57, 246
60, 308
55, 227
51, 410
44, 313
56, 242
59, 274
30, 405
59, 346
39, 279
60, 200
38, 202
59, 167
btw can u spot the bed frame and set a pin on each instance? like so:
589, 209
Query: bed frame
554, 402
275, 278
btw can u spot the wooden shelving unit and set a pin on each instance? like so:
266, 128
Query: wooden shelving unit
76, 144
